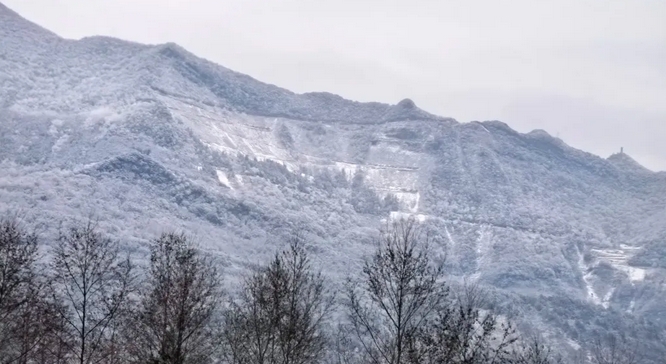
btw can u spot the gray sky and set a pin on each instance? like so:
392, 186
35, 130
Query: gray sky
591, 72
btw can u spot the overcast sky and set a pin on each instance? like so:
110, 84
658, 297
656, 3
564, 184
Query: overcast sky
591, 72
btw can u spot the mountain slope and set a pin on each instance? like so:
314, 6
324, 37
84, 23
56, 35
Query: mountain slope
147, 138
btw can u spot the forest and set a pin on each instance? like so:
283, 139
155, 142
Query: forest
85, 300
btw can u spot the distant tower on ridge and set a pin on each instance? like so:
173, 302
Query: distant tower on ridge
621, 150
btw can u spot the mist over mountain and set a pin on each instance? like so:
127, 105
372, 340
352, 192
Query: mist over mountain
149, 138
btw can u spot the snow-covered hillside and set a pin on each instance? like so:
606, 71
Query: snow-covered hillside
152, 138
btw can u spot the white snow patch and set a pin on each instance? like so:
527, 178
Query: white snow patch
448, 235
399, 215
618, 258
348, 168
222, 177
483, 243
101, 114
408, 199
607, 297
592, 296
632, 305
417, 196
630, 248
59, 143
574, 345
590, 290
236, 134
635, 274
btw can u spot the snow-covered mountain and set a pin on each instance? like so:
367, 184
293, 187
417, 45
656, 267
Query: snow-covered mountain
152, 138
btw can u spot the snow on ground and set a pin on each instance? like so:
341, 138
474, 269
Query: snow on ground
632, 305
390, 169
574, 345
348, 168
452, 243
235, 134
222, 177
483, 247
618, 258
607, 297
399, 215
587, 279
635, 274
408, 199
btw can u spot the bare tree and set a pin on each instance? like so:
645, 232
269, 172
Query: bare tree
25, 313
175, 319
280, 315
534, 351
36, 328
344, 348
400, 291
464, 333
18, 252
614, 349
56, 344
404, 312
93, 281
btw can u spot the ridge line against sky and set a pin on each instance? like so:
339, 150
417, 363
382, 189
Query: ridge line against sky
592, 73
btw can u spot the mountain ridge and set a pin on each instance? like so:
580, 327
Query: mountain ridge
153, 137
238, 90
179, 52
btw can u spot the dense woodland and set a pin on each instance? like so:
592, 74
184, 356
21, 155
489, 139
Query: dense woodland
86, 301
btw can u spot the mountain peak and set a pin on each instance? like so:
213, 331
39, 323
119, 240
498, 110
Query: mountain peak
14, 26
406, 104
406, 109
623, 161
